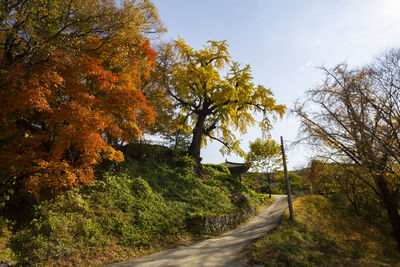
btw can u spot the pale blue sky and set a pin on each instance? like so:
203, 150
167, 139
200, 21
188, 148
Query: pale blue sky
284, 42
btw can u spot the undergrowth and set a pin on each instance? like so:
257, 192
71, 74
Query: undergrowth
135, 207
324, 235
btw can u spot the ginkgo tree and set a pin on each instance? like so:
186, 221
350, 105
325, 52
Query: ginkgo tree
265, 157
354, 115
213, 106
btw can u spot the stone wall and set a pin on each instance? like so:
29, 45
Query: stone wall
218, 223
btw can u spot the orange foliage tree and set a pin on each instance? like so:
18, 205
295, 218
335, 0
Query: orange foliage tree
68, 88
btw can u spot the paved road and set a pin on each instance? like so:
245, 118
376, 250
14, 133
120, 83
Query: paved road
224, 250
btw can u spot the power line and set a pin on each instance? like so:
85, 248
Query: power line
293, 143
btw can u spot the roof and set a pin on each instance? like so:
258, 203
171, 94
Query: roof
229, 164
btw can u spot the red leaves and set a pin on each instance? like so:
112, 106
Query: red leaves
55, 117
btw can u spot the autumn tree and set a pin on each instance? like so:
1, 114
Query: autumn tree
212, 107
69, 87
158, 98
297, 183
355, 114
322, 176
340, 179
265, 157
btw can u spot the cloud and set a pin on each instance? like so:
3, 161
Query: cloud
307, 65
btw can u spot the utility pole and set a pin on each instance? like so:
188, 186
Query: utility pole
289, 194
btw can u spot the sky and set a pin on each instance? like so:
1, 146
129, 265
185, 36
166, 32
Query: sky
285, 42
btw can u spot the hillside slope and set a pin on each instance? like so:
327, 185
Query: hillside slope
324, 235
139, 206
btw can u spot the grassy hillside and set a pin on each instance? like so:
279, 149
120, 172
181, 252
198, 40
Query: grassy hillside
135, 207
324, 235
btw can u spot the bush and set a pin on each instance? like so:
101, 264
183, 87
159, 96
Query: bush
134, 204
215, 168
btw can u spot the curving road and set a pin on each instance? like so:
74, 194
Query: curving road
224, 250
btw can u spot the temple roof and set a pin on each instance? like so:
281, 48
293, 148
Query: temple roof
229, 164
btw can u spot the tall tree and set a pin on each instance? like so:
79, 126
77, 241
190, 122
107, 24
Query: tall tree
68, 87
211, 106
349, 180
265, 157
158, 98
356, 114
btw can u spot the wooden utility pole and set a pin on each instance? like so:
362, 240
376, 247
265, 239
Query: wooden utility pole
289, 194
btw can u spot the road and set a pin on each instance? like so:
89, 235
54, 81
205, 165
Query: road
225, 250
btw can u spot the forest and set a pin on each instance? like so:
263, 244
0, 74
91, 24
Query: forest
83, 81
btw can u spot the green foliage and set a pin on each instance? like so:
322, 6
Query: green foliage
135, 204
297, 183
324, 235
116, 209
277, 182
215, 168
264, 156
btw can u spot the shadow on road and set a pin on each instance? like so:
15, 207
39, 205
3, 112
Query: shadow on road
224, 250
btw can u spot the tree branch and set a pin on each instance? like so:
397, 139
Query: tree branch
219, 140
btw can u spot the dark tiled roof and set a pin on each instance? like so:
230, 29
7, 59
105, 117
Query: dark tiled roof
229, 164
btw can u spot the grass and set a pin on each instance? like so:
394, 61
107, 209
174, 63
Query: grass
324, 235
5, 236
134, 208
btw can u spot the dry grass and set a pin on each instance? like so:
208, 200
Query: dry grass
324, 235
5, 236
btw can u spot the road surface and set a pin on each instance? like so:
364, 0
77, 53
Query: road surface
224, 250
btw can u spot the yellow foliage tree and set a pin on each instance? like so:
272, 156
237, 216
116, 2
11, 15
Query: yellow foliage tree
212, 106
355, 116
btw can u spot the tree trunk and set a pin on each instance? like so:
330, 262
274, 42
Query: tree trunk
392, 207
269, 184
195, 146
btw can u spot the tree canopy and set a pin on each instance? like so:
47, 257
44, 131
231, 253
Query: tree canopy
265, 157
68, 87
355, 114
211, 106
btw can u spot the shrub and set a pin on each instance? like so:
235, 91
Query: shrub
135, 205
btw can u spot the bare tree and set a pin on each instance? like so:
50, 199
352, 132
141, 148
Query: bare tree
355, 115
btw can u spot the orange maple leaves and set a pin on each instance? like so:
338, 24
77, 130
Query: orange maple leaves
59, 118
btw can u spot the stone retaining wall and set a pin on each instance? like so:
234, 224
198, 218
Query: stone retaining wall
219, 223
